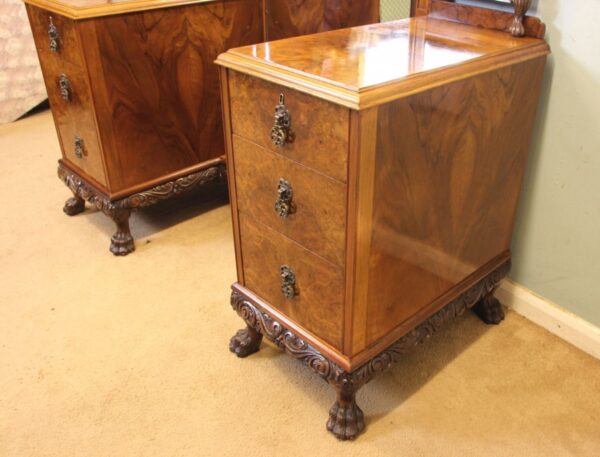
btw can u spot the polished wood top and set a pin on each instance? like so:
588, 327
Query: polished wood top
84, 9
365, 66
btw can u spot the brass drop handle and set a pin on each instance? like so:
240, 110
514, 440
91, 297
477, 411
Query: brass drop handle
65, 87
79, 147
283, 204
280, 133
53, 35
288, 281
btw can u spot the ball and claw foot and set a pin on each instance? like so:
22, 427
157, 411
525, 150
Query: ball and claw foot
245, 342
121, 243
74, 205
346, 420
489, 309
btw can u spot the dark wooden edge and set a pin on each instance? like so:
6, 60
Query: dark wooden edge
229, 158
484, 17
83, 189
286, 338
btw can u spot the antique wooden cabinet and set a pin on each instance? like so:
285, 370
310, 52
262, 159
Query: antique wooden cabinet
374, 174
135, 93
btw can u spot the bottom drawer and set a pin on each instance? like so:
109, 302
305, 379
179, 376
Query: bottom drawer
315, 287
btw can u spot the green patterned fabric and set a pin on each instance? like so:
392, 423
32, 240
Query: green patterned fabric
394, 9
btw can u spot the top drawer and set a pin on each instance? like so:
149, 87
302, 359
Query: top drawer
318, 134
55, 37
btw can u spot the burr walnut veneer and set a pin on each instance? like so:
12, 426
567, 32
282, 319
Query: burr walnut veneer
134, 90
374, 174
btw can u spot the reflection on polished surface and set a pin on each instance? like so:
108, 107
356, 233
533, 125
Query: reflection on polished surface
367, 56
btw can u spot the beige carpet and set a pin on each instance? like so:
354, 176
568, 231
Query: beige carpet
105, 356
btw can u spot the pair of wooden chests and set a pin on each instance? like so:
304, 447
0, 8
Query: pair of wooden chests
374, 172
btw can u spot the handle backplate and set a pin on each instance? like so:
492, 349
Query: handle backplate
288, 281
53, 35
65, 87
283, 204
280, 133
79, 147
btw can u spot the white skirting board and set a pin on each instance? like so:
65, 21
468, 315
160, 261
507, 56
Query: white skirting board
552, 317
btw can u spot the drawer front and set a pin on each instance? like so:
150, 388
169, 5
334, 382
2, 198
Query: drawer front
304, 205
317, 287
70, 99
317, 137
55, 37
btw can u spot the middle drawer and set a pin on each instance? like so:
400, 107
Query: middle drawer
304, 205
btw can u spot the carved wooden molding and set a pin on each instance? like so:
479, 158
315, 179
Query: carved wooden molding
82, 189
173, 188
518, 24
333, 373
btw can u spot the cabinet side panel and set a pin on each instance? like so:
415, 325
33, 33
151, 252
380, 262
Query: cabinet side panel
156, 88
288, 18
449, 167
361, 173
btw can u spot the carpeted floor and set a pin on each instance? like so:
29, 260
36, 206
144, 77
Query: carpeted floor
106, 356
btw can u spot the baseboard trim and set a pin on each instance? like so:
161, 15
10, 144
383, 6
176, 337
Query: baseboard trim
556, 320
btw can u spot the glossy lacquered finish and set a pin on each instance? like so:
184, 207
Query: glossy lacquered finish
143, 105
436, 118
426, 53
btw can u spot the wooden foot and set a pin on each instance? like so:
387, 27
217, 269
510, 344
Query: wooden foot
121, 243
74, 205
346, 419
489, 309
245, 342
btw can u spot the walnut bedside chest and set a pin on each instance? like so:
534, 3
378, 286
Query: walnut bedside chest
374, 174
135, 93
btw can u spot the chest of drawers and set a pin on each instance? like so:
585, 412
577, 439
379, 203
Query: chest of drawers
374, 174
135, 93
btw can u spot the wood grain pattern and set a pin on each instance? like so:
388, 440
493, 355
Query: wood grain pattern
289, 18
319, 202
319, 286
156, 91
320, 128
69, 48
436, 52
448, 180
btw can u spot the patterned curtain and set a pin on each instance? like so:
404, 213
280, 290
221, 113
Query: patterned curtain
394, 9
21, 83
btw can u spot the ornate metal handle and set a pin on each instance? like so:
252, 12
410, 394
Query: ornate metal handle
280, 133
288, 282
283, 205
78, 147
53, 36
65, 87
